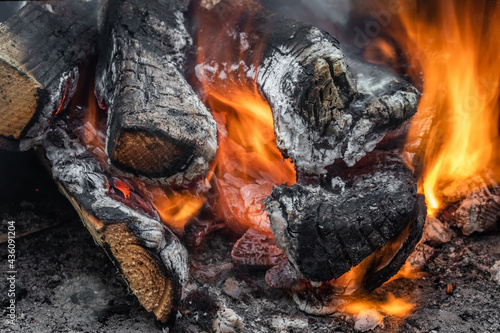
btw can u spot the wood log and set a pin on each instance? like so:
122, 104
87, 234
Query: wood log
325, 107
478, 212
41, 48
151, 258
158, 130
326, 231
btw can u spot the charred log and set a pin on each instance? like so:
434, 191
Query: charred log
325, 107
149, 255
158, 130
325, 232
41, 48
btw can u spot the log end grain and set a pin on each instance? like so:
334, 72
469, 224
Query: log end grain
145, 277
151, 155
19, 96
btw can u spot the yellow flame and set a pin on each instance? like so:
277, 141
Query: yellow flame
455, 46
391, 305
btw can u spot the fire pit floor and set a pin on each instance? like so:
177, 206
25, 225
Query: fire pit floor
66, 284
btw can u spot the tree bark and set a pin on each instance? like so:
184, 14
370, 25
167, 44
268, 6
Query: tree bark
325, 106
148, 254
41, 48
158, 130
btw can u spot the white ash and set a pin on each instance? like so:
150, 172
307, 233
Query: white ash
283, 324
349, 131
227, 321
368, 320
421, 255
435, 232
495, 272
478, 212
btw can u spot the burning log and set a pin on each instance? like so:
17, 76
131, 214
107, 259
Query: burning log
41, 47
149, 255
158, 130
323, 110
325, 232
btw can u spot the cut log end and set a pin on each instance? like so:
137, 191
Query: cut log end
41, 48
19, 95
150, 155
139, 267
158, 129
142, 271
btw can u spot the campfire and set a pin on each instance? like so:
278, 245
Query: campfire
326, 150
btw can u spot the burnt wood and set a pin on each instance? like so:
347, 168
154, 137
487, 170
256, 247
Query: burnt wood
149, 255
325, 106
326, 231
478, 211
41, 47
158, 130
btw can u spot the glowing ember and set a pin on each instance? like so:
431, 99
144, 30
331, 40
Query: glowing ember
94, 134
454, 46
122, 187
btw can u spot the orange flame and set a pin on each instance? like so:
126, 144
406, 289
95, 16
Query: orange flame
454, 45
248, 163
176, 208
392, 305
122, 187
386, 303
93, 138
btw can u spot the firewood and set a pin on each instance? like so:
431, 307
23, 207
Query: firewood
158, 130
326, 231
41, 48
151, 258
478, 211
325, 106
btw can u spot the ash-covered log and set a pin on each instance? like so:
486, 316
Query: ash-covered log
41, 47
325, 107
158, 129
149, 255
